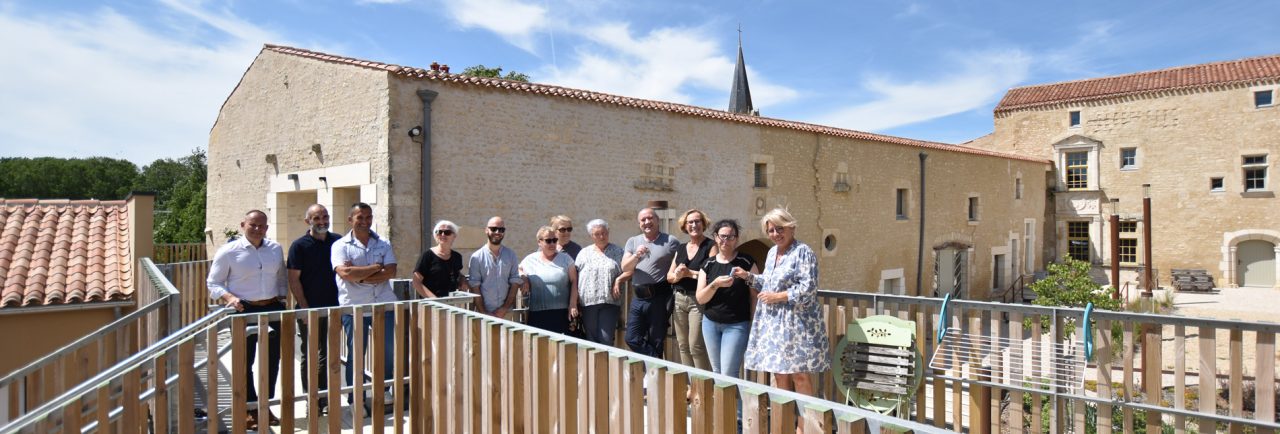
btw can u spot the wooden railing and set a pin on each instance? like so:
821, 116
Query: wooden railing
466, 372
44, 379
180, 252
190, 278
1140, 375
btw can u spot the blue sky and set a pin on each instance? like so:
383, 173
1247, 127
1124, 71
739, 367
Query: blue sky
144, 79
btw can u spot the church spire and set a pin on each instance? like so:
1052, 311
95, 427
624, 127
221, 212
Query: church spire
740, 95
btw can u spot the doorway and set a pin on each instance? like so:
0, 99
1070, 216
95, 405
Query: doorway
950, 273
756, 249
1257, 263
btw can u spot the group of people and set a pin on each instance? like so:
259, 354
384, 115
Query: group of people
727, 313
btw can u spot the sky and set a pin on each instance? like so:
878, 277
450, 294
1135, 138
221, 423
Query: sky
144, 79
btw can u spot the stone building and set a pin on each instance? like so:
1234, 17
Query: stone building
1204, 138
424, 144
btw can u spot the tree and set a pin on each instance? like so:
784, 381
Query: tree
66, 178
1070, 285
181, 220
161, 177
482, 71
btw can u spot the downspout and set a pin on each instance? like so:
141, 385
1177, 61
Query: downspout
424, 231
920, 247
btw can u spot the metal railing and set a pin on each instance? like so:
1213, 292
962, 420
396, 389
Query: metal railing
34, 384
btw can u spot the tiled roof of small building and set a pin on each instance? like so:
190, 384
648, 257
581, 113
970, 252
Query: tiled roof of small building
565, 92
55, 252
1182, 77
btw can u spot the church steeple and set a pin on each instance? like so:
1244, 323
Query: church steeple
740, 95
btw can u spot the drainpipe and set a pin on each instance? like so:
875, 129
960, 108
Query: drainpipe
920, 247
425, 227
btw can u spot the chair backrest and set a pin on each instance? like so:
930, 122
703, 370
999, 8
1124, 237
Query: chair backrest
879, 364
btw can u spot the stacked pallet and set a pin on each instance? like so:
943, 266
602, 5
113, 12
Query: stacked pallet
1192, 280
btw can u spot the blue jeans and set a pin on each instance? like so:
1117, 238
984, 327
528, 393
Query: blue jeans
388, 344
647, 324
600, 321
726, 345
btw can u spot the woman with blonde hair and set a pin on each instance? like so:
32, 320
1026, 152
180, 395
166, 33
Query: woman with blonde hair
551, 281
788, 338
564, 229
683, 276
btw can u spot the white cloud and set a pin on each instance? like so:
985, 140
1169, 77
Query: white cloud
668, 64
381, 2
515, 21
101, 83
981, 78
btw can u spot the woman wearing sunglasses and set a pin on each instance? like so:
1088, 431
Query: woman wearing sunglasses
552, 283
564, 229
439, 269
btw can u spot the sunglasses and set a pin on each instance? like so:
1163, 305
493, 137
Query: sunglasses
497, 230
724, 237
568, 229
777, 229
445, 232
551, 240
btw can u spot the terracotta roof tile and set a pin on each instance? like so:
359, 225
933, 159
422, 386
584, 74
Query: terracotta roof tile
1254, 69
60, 252
564, 92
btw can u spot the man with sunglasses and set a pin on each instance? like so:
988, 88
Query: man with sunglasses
493, 271
312, 283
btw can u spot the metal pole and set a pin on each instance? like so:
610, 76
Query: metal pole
1146, 241
1115, 249
920, 247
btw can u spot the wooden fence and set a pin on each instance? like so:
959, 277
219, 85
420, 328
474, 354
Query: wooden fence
190, 278
44, 379
180, 252
467, 372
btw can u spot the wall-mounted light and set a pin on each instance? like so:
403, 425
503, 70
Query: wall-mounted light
1146, 191
293, 177
271, 158
325, 180
415, 132
315, 149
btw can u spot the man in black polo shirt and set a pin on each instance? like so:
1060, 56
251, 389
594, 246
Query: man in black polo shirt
312, 283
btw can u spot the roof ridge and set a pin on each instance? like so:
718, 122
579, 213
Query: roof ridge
590, 95
1151, 71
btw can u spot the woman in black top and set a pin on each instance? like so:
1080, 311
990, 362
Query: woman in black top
683, 277
439, 269
726, 301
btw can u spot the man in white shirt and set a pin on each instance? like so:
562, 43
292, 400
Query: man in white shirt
365, 263
248, 275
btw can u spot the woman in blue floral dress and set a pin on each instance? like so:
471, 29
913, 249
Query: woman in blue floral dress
788, 338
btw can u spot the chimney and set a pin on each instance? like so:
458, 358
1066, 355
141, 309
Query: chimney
444, 68
435, 66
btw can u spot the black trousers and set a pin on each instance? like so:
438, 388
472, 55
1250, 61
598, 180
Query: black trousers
273, 351
322, 354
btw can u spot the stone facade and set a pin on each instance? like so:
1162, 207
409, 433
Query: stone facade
529, 155
1181, 140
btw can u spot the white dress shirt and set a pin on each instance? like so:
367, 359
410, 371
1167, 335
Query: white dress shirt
250, 273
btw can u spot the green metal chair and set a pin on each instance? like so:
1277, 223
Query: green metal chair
879, 367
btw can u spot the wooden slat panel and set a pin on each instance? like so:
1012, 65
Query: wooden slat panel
356, 358
567, 388
490, 413
160, 405
979, 395
849, 424
701, 405
399, 365
1207, 376
134, 418
104, 406
71, 417
994, 320
630, 376
922, 344
1236, 377
600, 392
1037, 399
1152, 371
335, 374
755, 412
439, 382
675, 411
542, 389
1127, 379
313, 371
211, 372
1016, 413
288, 330
239, 390
1265, 381
262, 374
782, 416
724, 408
186, 387
1179, 377
817, 420
378, 348
1102, 352
585, 387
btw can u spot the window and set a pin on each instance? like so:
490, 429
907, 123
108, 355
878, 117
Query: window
1017, 188
1129, 227
1255, 172
1077, 170
1215, 184
973, 209
1078, 240
1128, 158
1075, 118
1129, 251
762, 175
901, 208
658, 177
1263, 98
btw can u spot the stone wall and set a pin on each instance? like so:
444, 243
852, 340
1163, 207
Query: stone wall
1182, 139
